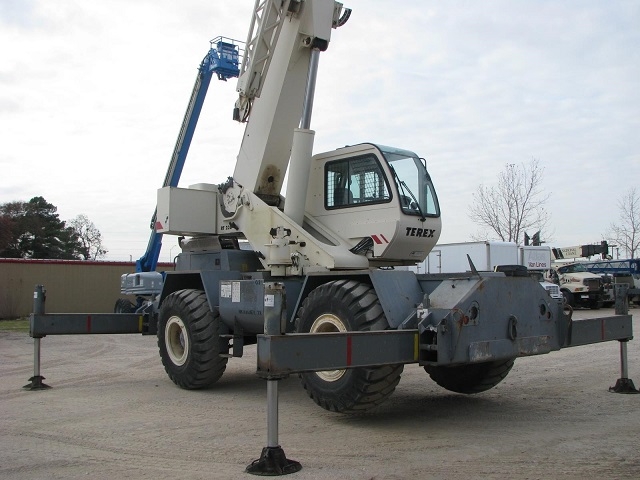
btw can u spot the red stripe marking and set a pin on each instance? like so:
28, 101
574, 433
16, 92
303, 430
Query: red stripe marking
88, 323
376, 239
383, 237
349, 350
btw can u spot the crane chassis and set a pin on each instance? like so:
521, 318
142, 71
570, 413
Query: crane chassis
312, 278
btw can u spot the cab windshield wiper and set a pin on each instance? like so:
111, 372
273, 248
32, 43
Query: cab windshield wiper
404, 188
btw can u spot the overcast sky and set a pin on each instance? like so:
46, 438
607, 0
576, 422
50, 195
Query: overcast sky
92, 95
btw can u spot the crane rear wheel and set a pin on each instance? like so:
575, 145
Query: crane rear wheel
471, 378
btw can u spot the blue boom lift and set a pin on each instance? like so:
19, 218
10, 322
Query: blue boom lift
222, 59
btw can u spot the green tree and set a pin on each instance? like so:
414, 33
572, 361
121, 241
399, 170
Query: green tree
7, 225
5, 232
37, 232
11, 215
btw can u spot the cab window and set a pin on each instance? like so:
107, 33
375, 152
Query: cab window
355, 181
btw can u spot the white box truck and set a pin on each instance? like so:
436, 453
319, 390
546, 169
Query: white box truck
486, 256
452, 257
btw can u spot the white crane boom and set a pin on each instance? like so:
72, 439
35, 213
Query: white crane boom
281, 38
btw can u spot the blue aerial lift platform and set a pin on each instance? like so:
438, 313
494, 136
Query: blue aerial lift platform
223, 60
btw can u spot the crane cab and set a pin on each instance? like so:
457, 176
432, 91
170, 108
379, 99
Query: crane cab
381, 200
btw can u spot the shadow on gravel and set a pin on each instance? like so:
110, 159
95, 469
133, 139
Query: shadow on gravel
433, 408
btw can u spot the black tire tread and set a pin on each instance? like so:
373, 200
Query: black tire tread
204, 365
370, 386
472, 378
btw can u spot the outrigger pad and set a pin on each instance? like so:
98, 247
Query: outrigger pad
624, 385
36, 383
273, 462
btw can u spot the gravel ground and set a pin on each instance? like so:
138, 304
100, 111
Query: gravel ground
114, 414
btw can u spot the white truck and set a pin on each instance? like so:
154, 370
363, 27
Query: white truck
579, 287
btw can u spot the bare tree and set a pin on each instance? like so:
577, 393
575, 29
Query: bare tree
89, 236
513, 206
626, 233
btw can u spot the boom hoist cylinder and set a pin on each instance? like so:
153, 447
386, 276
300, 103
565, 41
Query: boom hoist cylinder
302, 149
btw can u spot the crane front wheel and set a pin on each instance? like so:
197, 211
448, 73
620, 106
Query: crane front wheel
189, 340
344, 306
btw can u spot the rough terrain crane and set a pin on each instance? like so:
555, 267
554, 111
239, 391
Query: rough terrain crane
310, 276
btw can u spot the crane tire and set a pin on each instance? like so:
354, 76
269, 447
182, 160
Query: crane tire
189, 340
471, 378
346, 305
